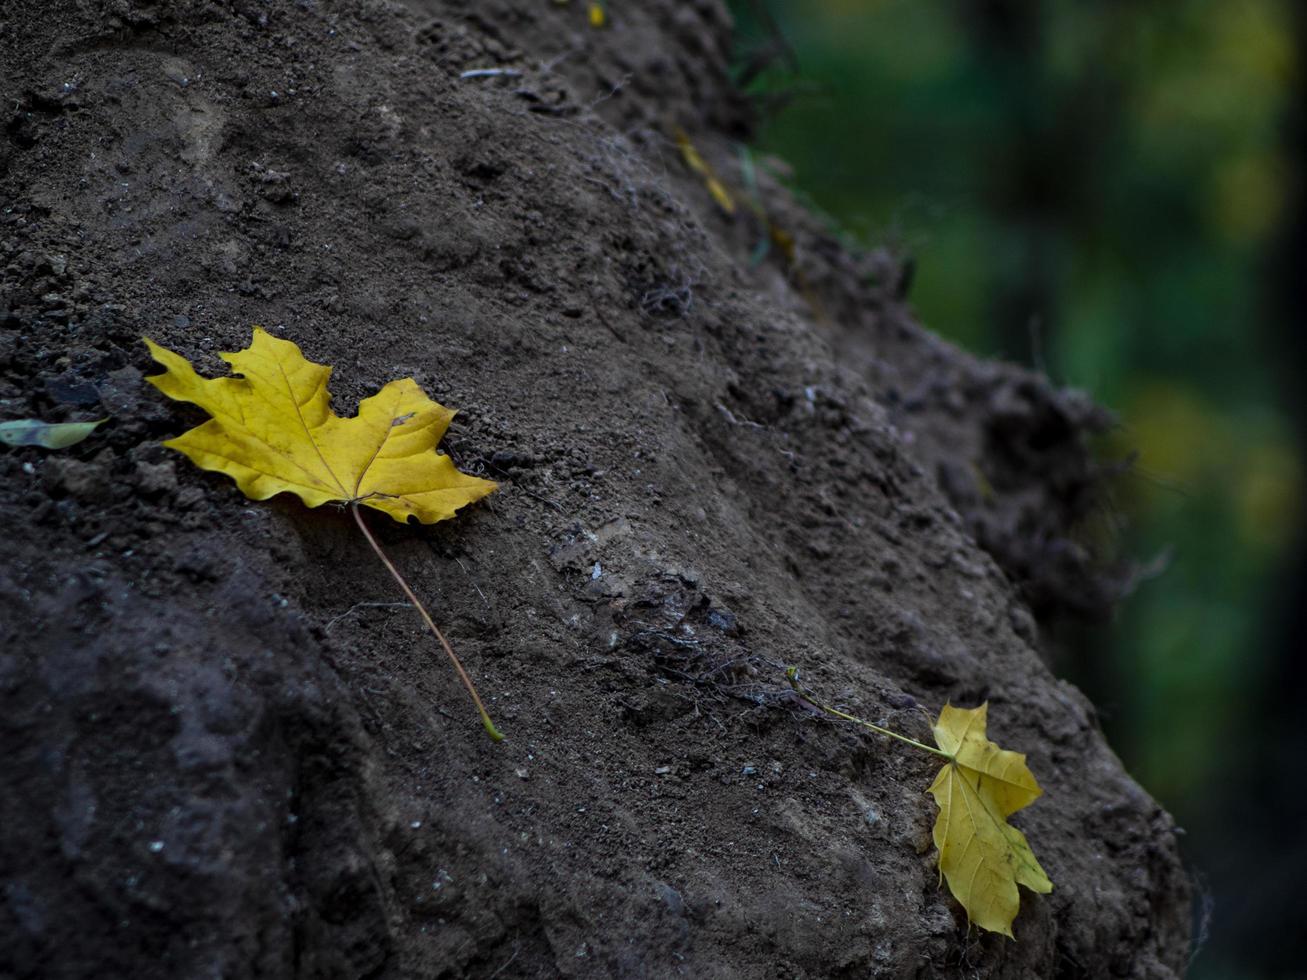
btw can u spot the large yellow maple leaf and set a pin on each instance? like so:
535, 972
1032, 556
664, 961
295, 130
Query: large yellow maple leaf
273, 431
981, 855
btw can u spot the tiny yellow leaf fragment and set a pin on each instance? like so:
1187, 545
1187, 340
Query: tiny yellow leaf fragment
598, 16
981, 855
273, 431
695, 161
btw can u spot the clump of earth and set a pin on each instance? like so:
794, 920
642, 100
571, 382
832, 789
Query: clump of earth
230, 750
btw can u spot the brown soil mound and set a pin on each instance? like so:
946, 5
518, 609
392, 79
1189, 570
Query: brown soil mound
227, 753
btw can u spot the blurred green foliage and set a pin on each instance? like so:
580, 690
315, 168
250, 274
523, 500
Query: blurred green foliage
1092, 189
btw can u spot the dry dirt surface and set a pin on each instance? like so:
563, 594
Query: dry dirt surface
226, 752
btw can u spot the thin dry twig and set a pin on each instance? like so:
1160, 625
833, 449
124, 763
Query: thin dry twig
361, 605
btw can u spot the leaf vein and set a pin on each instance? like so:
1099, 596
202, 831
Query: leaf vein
308, 433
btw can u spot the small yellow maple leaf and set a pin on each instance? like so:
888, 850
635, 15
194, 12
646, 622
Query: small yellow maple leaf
273, 431
981, 855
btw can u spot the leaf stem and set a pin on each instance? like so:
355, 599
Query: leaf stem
491, 730
792, 673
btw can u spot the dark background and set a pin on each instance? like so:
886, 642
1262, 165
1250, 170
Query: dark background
1113, 193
